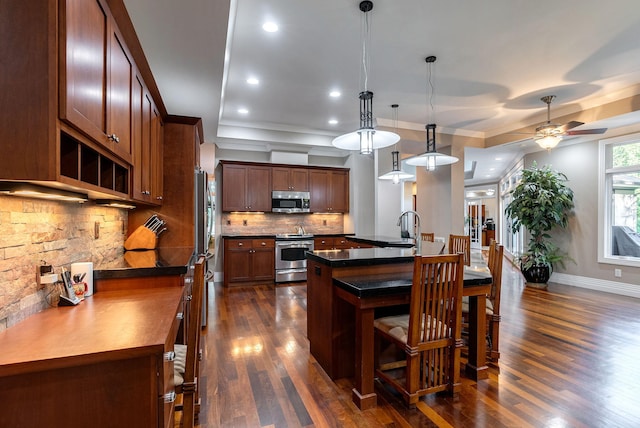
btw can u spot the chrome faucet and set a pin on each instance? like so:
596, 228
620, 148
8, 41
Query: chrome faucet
416, 228
300, 229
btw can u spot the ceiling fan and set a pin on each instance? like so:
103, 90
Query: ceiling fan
548, 135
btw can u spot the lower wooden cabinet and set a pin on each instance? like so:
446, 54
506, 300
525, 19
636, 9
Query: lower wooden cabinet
248, 260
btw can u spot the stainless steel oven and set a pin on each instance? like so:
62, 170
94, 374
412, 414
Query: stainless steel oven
291, 261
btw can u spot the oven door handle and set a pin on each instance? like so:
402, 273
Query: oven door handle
294, 245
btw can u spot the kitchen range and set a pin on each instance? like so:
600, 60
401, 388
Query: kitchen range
290, 256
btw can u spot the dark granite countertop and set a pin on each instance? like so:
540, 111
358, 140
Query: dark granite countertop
371, 256
361, 256
398, 283
384, 241
158, 262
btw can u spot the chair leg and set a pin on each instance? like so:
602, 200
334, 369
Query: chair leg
494, 332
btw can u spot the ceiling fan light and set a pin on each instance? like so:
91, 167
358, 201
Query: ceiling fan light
548, 142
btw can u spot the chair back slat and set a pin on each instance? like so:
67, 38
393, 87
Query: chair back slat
428, 236
461, 244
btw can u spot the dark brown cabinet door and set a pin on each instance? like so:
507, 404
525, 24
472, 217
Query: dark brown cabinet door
280, 178
339, 192
156, 169
258, 188
84, 78
237, 259
292, 179
147, 147
141, 150
319, 188
120, 79
234, 182
263, 264
299, 179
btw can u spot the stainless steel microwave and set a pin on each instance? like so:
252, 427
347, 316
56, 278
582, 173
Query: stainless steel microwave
290, 202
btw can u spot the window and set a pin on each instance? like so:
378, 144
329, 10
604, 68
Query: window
619, 198
513, 242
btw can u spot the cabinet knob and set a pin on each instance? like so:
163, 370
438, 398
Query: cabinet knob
240, 244
159, 198
169, 356
180, 315
114, 138
263, 244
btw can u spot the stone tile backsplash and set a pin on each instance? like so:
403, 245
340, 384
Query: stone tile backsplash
60, 233
268, 223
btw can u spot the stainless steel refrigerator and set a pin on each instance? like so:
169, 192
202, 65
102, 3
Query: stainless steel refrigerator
203, 222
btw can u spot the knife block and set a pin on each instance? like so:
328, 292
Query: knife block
141, 239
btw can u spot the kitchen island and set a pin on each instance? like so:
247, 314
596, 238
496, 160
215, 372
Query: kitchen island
348, 289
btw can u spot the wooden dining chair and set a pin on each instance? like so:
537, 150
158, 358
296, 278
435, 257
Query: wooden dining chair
461, 244
187, 361
428, 236
429, 335
492, 310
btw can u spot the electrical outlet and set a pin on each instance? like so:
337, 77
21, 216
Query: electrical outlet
324, 222
244, 222
617, 273
228, 222
96, 230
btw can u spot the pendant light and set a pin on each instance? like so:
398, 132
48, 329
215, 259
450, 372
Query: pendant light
366, 138
396, 174
431, 159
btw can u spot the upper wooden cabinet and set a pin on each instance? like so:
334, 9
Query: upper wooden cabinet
293, 179
97, 76
246, 187
147, 144
74, 74
329, 191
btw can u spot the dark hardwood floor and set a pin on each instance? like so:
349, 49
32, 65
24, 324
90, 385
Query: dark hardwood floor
569, 358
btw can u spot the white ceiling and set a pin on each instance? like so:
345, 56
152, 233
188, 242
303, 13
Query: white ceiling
496, 58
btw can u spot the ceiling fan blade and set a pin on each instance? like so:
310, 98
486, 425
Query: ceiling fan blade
570, 125
587, 131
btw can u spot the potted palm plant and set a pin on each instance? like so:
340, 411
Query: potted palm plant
541, 202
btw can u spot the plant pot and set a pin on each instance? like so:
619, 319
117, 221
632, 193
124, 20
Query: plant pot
537, 274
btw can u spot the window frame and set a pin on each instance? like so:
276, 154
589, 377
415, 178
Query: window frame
605, 197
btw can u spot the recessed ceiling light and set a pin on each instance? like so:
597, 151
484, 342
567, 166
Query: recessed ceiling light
253, 81
333, 122
498, 159
270, 27
243, 111
335, 94
492, 169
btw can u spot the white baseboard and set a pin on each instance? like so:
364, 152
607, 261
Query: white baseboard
614, 287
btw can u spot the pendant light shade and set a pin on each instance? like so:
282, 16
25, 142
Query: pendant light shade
396, 175
431, 159
366, 138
